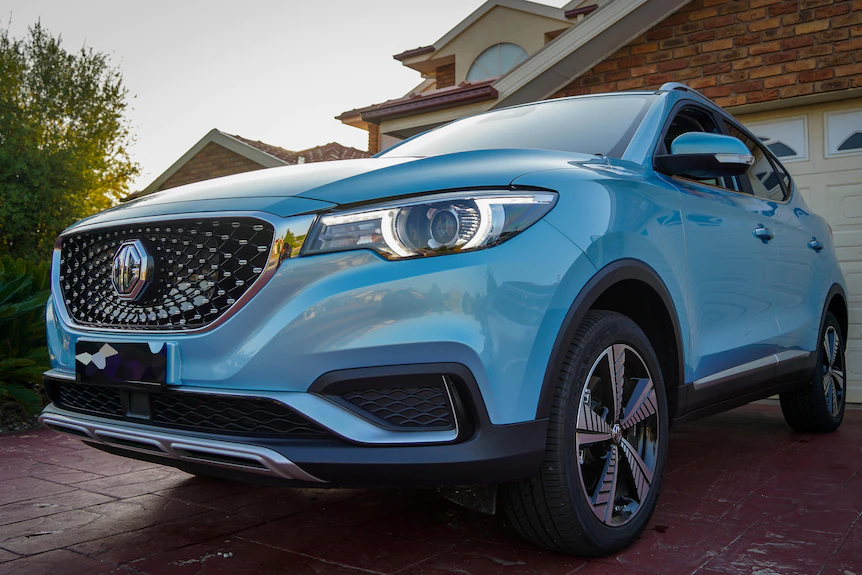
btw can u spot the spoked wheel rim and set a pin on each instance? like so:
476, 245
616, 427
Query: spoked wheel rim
617, 437
833, 371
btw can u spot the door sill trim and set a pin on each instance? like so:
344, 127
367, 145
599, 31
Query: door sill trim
765, 362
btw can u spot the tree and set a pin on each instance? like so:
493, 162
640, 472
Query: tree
64, 139
23, 355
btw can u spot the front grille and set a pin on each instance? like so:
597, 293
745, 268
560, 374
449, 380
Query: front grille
229, 415
253, 416
201, 267
420, 407
91, 399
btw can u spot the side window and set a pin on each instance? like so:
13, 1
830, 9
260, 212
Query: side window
696, 120
766, 181
785, 178
689, 120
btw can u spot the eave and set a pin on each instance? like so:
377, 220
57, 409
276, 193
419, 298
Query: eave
430, 101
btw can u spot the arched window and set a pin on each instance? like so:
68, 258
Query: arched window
496, 61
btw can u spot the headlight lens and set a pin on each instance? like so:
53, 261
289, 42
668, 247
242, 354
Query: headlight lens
431, 225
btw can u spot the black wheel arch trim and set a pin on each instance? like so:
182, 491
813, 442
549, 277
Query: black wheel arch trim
605, 278
837, 290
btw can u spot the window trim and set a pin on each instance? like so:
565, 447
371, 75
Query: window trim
499, 45
728, 122
826, 153
718, 120
723, 122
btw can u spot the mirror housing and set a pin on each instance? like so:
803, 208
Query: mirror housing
701, 155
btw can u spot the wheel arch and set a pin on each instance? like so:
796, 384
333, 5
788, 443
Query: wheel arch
836, 303
633, 288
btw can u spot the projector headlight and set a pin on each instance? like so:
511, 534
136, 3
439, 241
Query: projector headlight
430, 225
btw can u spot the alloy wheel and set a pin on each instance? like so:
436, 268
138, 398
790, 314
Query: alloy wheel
617, 437
833, 371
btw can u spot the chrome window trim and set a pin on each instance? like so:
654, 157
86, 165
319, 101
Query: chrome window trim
276, 254
731, 122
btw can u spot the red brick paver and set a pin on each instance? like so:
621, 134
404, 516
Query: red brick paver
743, 495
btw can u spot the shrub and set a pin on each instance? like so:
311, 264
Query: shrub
24, 289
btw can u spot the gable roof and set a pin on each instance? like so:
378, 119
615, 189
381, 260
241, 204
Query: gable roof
266, 155
601, 28
324, 153
520, 5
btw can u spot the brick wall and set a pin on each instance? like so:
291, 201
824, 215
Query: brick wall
213, 161
741, 52
445, 75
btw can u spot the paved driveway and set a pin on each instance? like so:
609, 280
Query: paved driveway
743, 495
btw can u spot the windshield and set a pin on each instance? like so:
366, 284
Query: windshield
595, 125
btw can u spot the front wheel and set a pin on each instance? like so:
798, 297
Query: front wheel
819, 406
607, 444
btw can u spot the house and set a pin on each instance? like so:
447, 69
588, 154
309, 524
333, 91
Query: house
219, 154
790, 70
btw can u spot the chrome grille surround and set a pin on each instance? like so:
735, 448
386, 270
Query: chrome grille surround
258, 270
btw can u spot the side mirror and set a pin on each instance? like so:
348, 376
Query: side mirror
701, 155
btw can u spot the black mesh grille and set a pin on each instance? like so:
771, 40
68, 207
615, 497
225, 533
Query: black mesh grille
208, 413
200, 268
421, 407
100, 400
229, 415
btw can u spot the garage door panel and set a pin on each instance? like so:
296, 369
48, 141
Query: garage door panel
846, 250
842, 197
854, 375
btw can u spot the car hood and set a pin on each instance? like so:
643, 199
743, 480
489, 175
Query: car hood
293, 190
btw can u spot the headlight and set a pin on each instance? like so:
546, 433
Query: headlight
430, 225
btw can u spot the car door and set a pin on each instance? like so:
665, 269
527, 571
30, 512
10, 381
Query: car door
734, 331
800, 283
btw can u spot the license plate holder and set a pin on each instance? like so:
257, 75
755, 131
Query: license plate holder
137, 365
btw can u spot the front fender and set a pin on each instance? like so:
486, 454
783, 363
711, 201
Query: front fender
616, 212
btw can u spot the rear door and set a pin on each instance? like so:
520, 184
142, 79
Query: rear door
800, 284
734, 328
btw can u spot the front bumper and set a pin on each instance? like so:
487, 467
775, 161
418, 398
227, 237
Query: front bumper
496, 313
494, 454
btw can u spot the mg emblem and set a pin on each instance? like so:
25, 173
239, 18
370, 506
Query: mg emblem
131, 270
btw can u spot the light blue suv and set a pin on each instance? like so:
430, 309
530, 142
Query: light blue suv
527, 299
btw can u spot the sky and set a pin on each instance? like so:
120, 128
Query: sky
278, 71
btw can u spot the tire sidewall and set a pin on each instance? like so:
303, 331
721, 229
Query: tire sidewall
616, 330
818, 398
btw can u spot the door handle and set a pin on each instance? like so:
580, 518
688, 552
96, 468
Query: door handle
815, 245
763, 234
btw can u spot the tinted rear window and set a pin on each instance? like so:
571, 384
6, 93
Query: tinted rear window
596, 125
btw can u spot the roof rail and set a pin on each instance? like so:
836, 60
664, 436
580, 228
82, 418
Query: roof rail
670, 86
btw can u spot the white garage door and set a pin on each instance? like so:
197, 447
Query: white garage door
821, 146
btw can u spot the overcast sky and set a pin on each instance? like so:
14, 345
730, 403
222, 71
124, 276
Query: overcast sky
271, 70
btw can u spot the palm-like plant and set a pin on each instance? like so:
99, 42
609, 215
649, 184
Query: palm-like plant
23, 354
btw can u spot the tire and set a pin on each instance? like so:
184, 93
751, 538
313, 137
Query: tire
819, 405
561, 508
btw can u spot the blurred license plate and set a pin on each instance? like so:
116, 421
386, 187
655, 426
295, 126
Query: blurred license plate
104, 363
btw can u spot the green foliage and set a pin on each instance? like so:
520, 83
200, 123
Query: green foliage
24, 289
63, 139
